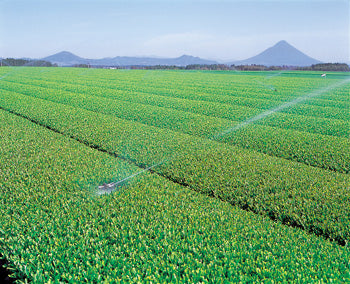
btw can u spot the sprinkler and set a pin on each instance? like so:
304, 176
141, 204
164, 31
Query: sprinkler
108, 188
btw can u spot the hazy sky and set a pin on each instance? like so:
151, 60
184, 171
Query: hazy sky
214, 29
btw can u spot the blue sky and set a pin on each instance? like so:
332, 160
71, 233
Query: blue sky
214, 29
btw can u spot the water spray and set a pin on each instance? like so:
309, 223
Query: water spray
274, 74
271, 87
13, 69
108, 188
111, 187
280, 107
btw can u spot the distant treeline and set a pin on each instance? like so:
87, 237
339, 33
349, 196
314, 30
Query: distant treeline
214, 67
25, 62
253, 67
327, 67
161, 67
256, 67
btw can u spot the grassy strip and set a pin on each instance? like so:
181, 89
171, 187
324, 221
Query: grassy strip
150, 230
313, 199
311, 149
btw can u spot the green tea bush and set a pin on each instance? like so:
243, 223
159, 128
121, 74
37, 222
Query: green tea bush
55, 229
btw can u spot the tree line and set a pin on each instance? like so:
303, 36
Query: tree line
342, 67
25, 62
253, 67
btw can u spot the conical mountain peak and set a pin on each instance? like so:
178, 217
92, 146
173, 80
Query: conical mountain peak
282, 53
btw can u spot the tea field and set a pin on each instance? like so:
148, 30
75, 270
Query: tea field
250, 181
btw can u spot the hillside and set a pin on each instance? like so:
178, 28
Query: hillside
282, 53
65, 58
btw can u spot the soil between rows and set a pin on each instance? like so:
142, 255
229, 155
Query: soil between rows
5, 273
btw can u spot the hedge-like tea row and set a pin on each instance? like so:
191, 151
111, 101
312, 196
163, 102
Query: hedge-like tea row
243, 85
311, 149
319, 125
54, 229
230, 96
314, 199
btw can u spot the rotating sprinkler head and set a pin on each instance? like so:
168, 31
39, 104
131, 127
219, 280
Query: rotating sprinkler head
108, 188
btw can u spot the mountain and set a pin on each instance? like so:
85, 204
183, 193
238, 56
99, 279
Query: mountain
66, 58
150, 61
187, 60
282, 53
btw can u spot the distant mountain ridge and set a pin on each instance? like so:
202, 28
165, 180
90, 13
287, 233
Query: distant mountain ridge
66, 58
282, 53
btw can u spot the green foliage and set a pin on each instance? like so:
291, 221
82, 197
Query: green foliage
206, 120
256, 67
342, 67
56, 230
159, 227
291, 192
25, 62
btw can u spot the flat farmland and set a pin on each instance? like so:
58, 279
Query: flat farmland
249, 178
